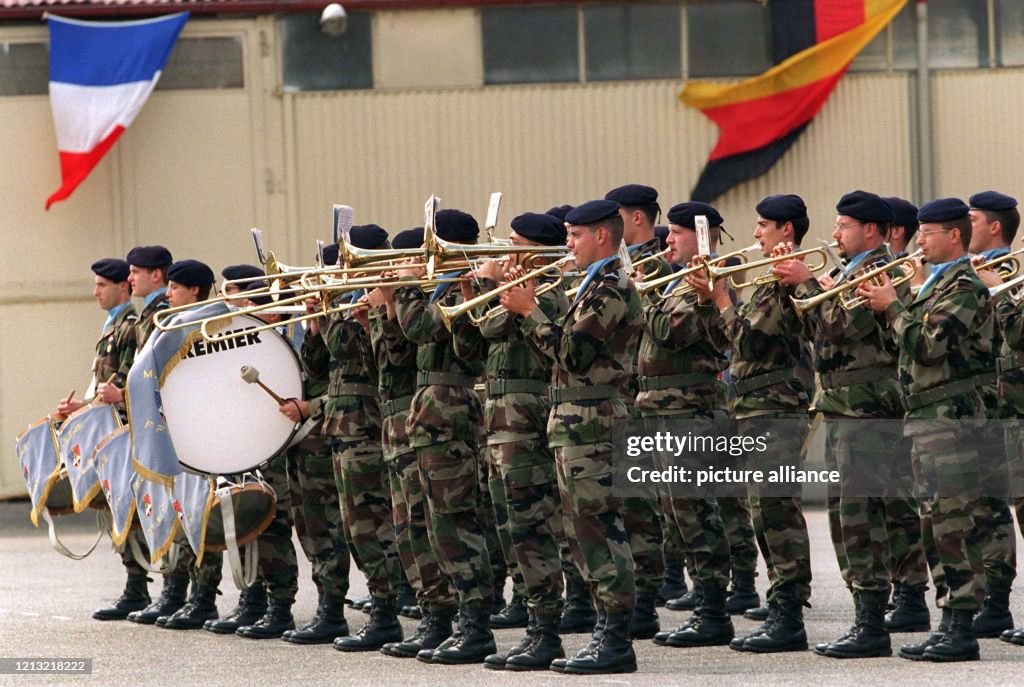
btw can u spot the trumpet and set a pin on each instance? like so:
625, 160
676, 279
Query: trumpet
848, 302
653, 258
653, 285
1013, 257
1010, 286
730, 272
452, 312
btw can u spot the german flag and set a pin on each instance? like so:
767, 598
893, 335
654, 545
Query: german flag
813, 43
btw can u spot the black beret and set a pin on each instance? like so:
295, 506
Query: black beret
632, 195
190, 273
661, 232
865, 206
258, 285
368, 236
943, 210
683, 214
559, 212
409, 238
232, 272
149, 257
113, 269
592, 212
782, 208
456, 225
330, 254
904, 213
992, 200
543, 229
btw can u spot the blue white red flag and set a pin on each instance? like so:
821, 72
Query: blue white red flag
101, 74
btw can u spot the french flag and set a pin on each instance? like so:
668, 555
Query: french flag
101, 74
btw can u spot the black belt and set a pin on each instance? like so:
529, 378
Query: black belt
674, 381
566, 394
347, 389
945, 391
836, 380
499, 387
424, 378
751, 384
395, 405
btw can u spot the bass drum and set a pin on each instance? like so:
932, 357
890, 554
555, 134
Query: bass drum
220, 424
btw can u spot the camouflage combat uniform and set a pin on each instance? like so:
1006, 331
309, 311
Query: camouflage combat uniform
1011, 393
945, 338
592, 350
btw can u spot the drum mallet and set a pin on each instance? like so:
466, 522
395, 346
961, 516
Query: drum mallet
252, 376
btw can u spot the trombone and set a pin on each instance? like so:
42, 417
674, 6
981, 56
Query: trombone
731, 272
1010, 286
653, 285
449, 313
1012, 256
906, 263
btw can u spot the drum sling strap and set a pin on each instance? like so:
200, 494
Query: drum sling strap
103, 524
243, 574
167, 563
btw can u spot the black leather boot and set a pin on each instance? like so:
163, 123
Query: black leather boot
869, 638
759, 614
545, 647
275, 622
995, 616
252, 604
513, 615
558, 665
473, 644
202, 606
688, 601
711, 627
172, 597
773, 615
914, 652
786, 633
382, 628
674, 585
328, 623
433, 630
134, 598
613, 654
743, 596
406, 597
579, 615
498, 602
1014, 637
497, 661
910, 613
359, 602
644, 623
958, 644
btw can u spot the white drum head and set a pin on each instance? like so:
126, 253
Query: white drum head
219, 423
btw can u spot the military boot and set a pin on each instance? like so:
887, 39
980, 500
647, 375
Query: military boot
252, 604
497, 661
513, 615
613, 653
910, 613
711, 627
869, 638
579, 615
759, 614
821, 647
134, 598
995, 616
498, 601
644, 623
786, 633
328, 623
172, 597
545, 647
1013, 636
558, 665
743, 596
773, 614
958, 644
688, 601
383, 628
359, 603
434, 629
674, 585
473, 644
914, 652
202, 606
406, 598
275, 622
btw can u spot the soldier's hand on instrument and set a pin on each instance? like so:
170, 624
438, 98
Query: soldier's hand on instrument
879, 295
411, 269
376, 298
784, 248
361, 313
490, 269
826, 282
990, 278
791, 272
698, 280
312, 305
295, 410
108, 393
466, 286
66, 407
519, 299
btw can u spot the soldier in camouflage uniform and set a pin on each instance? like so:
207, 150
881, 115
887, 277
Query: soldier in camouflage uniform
994, 220
591, 349
855, 358
444, 425
678, 370
768, 345
642, 516
115, 351
352, 420
945, 339
396, 365
521, 467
